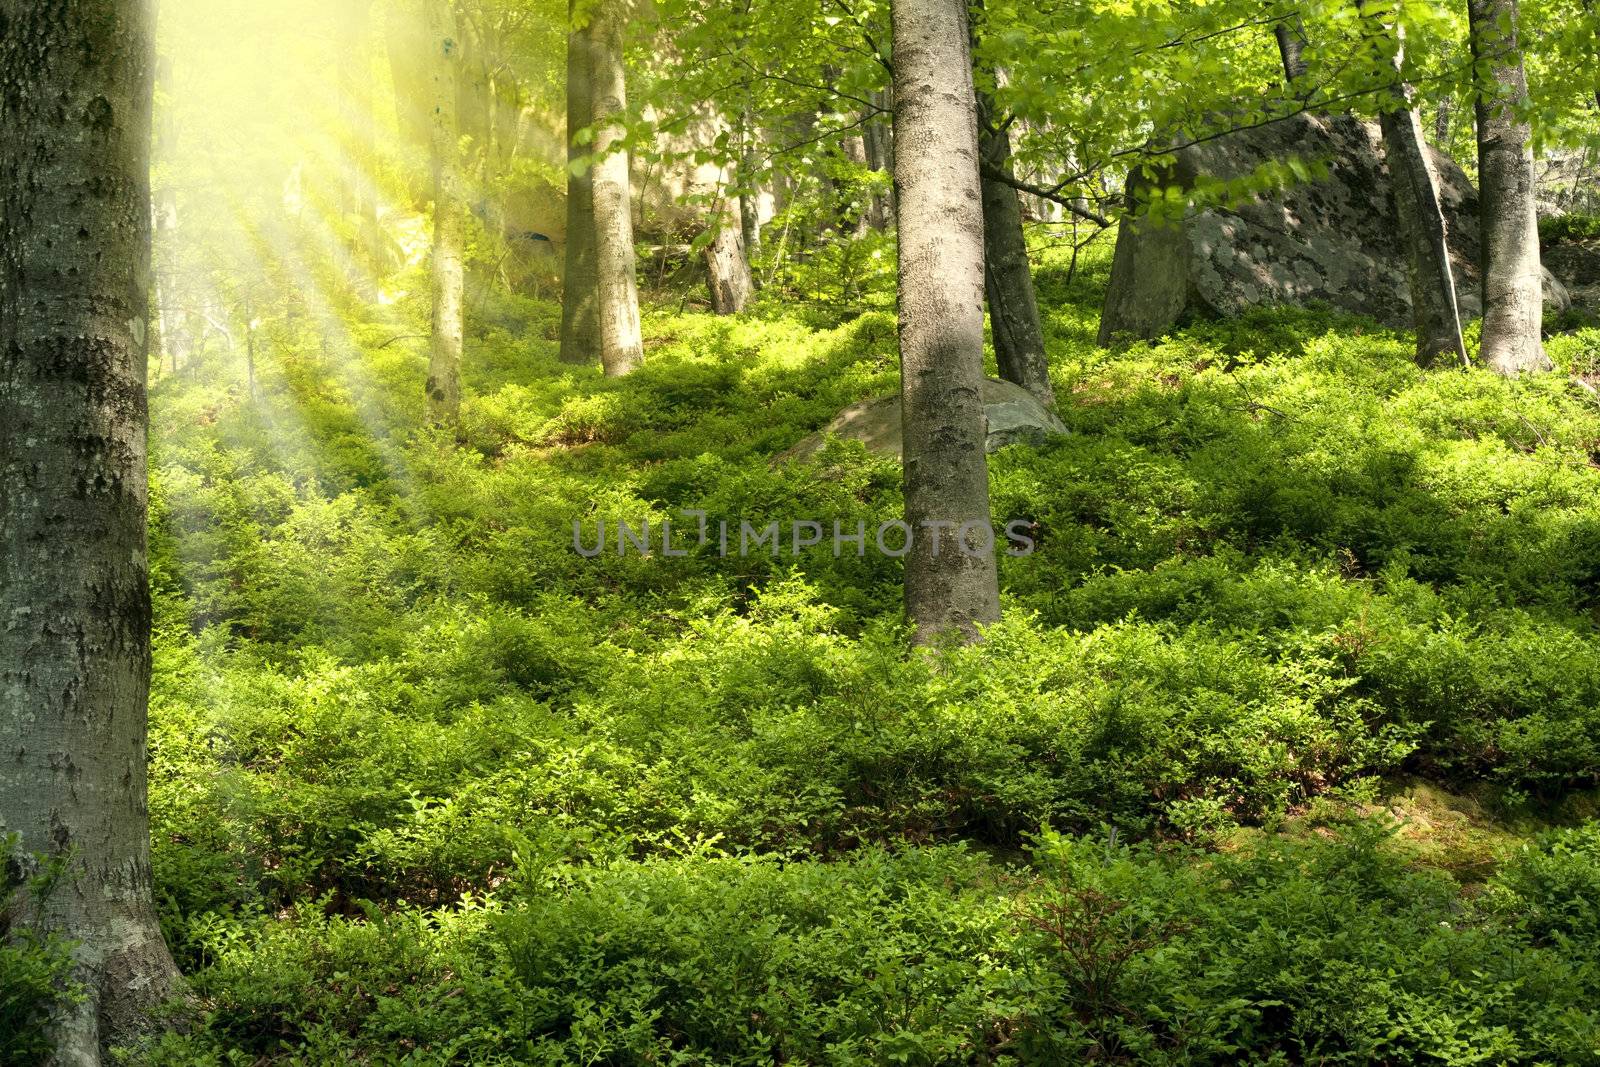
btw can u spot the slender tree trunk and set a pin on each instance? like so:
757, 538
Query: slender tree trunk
727, 270
1007, 274
879, 158
1291, 37
449, 271
356, 144
951, 580
1430, 274
171, 315
749, 193
580, 290
1441, 122
1589, 12
1513, 285
75, 90
621, 345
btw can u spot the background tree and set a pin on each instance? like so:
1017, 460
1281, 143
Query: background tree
75, 93
1007, 275
449, 251
580, 294
601, 39
1513, 292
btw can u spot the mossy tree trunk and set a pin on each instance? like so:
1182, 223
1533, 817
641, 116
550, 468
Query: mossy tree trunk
75, 224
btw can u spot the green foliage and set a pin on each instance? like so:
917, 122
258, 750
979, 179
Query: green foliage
1555, 229
35, 971
428, 786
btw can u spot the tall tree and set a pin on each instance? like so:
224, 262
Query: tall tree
580, 291
449, 252
75, 103
951, 580
621, 344
172, 316
1430, 274
1513, 285
1007, 274
357, 205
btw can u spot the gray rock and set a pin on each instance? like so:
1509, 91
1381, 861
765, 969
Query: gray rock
1576, 263
1333, 240
1014, 416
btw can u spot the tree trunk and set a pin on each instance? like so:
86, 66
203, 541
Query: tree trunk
171, 317
1589, 12
1007, 275
1430, 274
728, 272
357, 204
1291, 37
75, 89
951, 581
749, 192
1513, 285
879, 158
621, 346
1441, 122
580, 289
449, 270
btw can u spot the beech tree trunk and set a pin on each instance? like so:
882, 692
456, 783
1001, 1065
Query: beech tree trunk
621, 345
448, 268
1291, 37
749, 194
172, 320
580, 289
356, 201
75, 93
875, 134
951, 580
1513, 284
1430, 275
1007, 275
727, 270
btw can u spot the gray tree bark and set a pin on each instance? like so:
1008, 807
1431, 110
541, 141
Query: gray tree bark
621, 344
951, 579
448, 258
1291, 38
1441, 122
1429, 272
580, 289
727, 270
1007, 274
749, 194
1513, 289
75, 93
875, 134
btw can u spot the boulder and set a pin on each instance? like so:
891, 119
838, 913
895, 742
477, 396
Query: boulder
1576, 263
1331, 240
1013, 413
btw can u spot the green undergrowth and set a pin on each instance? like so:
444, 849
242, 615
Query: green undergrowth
431, 787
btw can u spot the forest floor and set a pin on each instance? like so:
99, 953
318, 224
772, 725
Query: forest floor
1285, 753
